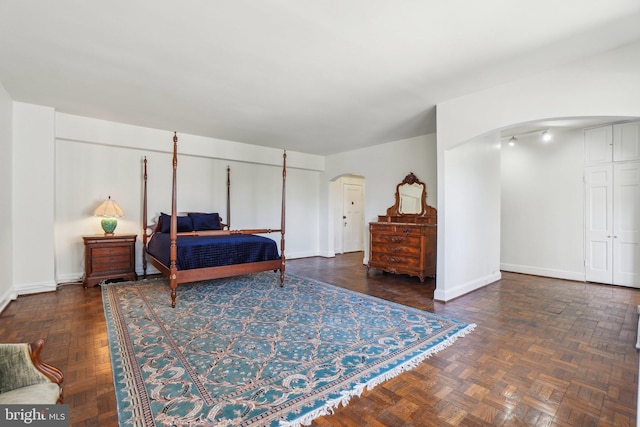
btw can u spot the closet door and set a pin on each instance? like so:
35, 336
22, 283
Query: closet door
598, 144
599, 223
626, 141
626, 224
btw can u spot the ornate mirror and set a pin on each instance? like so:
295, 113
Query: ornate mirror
410, 198
411, 203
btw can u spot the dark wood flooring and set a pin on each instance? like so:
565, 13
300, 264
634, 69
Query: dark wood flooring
545, 352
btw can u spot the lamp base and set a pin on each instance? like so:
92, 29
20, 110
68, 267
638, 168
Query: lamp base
109, 225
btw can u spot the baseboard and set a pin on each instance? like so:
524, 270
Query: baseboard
34, 288
324, 254
465, 288
304, 254
150, 270
545, 272
70, 278
6, 298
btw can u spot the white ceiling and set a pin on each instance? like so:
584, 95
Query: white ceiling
312, 76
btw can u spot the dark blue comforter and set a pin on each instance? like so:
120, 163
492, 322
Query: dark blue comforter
213, 251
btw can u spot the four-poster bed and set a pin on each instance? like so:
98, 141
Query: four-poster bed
199, 246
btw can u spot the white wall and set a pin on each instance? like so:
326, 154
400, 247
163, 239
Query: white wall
95, 159
383, 167
471, 239
543, 206
6, 218
33, 198
604, 85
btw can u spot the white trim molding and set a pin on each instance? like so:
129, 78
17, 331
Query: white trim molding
6, 298
457, 291
34, 288
544, 272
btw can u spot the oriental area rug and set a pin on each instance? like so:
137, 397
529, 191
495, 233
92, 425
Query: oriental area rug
242, 351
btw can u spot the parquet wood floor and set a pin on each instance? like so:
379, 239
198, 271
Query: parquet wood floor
546, 352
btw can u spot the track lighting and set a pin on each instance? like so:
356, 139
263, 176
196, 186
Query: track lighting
512, 141
546, 136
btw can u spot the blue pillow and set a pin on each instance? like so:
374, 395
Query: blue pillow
205, 221
184, 223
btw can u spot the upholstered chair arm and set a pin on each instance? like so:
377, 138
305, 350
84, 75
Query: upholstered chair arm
54, 374
20, 366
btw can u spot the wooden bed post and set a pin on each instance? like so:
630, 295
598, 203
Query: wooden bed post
173, 269
228, 197
144, 221
282, 217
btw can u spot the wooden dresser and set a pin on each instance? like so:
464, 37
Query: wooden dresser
404, 241
403, 248
108, 257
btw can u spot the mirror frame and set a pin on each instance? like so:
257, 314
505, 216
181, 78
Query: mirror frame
409, 180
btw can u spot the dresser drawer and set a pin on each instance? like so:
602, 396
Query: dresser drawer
395, 239
411, 250
111, 263
394, 261
399, 229
111, 251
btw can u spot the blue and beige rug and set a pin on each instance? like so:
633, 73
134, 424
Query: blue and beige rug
242, 351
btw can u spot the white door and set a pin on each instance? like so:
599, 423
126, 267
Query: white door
599, 223
613, 224
353, 217
626, 141
626, 224
598, 144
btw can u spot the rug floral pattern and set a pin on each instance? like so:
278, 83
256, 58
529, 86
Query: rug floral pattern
242, 351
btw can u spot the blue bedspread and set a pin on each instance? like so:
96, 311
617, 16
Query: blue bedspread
213, 251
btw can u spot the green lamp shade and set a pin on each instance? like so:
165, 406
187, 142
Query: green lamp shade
109, 225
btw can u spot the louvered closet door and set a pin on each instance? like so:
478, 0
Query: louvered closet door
626, 224
599, 223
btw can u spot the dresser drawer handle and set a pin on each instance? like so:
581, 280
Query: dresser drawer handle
396, 239
406, 231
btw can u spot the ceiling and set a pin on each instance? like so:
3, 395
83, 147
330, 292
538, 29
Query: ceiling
317, 77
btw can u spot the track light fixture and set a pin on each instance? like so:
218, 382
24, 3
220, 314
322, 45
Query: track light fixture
544, 134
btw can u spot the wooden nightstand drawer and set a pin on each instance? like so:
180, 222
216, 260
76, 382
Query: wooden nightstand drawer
111, 251
109, 257
111, 263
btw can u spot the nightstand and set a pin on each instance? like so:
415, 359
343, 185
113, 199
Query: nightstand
108, 257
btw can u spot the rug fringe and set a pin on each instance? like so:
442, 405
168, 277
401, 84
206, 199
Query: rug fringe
330, 406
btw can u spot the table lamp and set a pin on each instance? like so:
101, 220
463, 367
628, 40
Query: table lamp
109, 210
